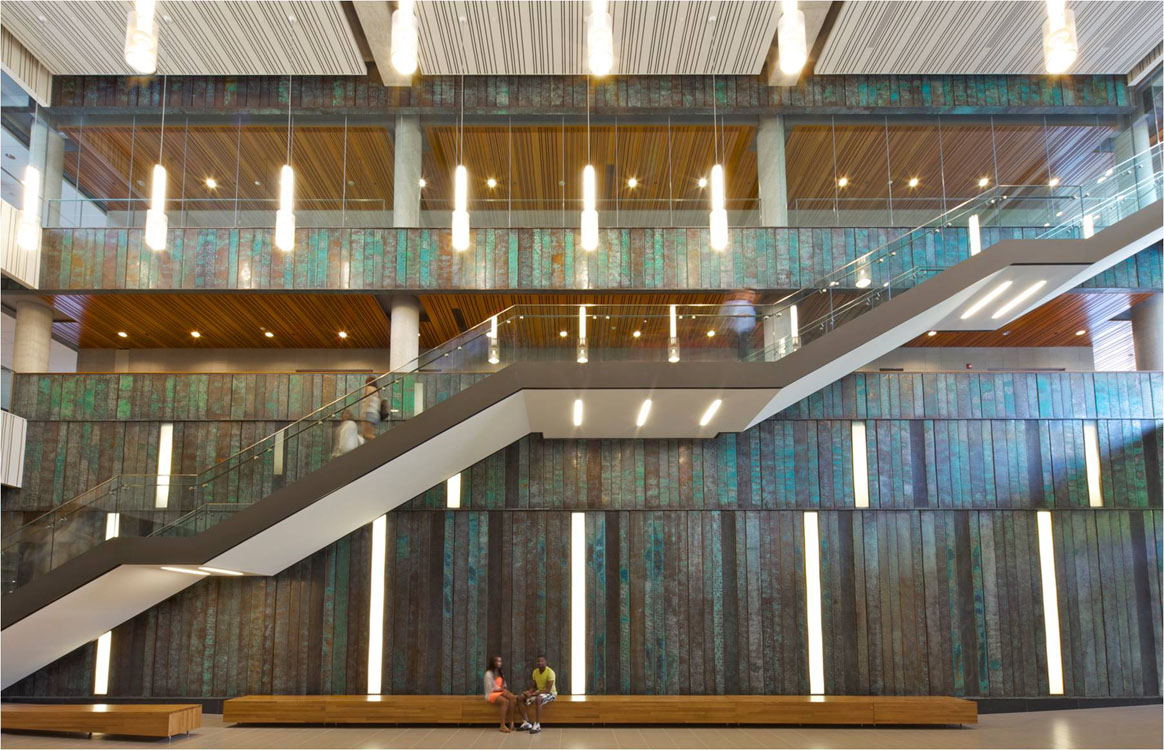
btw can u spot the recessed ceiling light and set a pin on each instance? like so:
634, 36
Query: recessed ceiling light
984, 182
41, 18
343, 334
577, 412
973, 309
844, 181
258, 183
212, 183
422, 182
644, 412
710, 413
711, 19
462, 19
351, 183
269, 334
702, 182
123, 334
291, 18
913, 182
1054, 182
195, 334
710, 333
187, 571
1081, 332
141, 183
636, 334
491, 183
632, 183
166, 19
932, 333
562, 334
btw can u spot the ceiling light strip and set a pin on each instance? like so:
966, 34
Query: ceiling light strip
986, 300
1019, 299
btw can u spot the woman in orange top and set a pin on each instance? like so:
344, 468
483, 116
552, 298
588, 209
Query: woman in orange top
496, 691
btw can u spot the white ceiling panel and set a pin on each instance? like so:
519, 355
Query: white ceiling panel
984, 36
196, 37
546, 37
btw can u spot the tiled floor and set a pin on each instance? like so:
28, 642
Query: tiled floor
1131, 727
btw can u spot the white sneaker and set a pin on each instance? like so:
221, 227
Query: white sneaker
536, 728
525, 725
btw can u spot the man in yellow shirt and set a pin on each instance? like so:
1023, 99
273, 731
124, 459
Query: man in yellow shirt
543, 691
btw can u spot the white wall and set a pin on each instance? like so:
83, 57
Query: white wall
950, 359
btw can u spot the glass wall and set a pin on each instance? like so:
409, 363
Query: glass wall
527, 172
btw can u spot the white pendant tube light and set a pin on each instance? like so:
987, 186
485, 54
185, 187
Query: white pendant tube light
156, 222
673, 338
717, 220
285, 216
405, 38
494, 345
28, 231
791, 41
583, 349
1060, 44
460, 224
599, 38
141, 38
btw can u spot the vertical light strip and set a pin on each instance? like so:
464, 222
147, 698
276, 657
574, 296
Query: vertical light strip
1088, 226
165, 461
279, 450
376, 604
673, 339
860, 467
816, 680
112, 525
578, 603
1050, 603
453, 491
975, 235
101, 671
1091, 457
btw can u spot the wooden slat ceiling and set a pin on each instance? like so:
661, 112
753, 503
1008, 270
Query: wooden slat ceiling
547, 37
930, 37
226, 321
1052, 324
209, 37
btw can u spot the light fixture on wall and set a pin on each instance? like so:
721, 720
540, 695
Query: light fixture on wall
405, 38
717, 219
589, 229
156, 222
1060, 44
974, 230
599, 38
285, 216
791, 40
460, 221
141, 38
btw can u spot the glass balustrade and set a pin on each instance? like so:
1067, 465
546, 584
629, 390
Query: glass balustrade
738, 330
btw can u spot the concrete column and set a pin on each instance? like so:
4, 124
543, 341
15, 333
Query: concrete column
404, 338
406, 181
1140, 145
32, 337
1146, 333
771, 169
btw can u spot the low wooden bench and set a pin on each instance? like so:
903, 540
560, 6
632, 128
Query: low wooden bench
605, 709
105, 718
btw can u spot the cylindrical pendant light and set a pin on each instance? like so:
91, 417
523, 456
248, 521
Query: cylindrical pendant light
461, 186
791, 41
285, 216
599, 38
405, 38
494, 344
673, 338
583, 348
28, 231
1060, 43
156, 222
141, 38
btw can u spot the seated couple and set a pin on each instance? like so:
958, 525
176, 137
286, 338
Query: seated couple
541, 691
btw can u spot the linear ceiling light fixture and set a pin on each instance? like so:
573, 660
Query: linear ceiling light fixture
589, 229
28, 228
986, 300
791, 40
710, 413
599, 38
1019, 299
1060, 44
285, 216
460, 223
187, 571
141, 38
577, 412
405, 38
644, 413
717, 220
156, 222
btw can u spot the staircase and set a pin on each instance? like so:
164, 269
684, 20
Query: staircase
294, 492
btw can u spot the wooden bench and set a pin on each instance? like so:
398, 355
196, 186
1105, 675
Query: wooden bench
605, 709
105, 718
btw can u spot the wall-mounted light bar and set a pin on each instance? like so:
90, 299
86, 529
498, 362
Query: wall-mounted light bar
279, 447
376, 604
101, 672
860, 466
709, 414
1050, 602
975, 233
986, 300
112, 525
1019, 299
816, 680
1088, 226
644, 413
577, 412
165, 462
578, 603
453, 491
1091, 460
